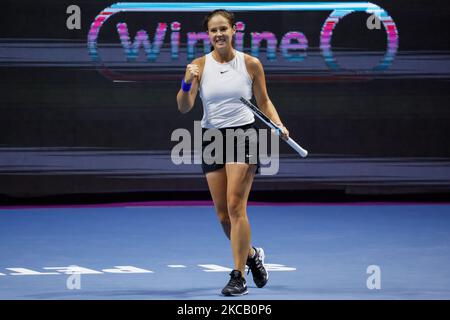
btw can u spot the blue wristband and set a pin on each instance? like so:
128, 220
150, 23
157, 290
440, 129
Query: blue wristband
185, 86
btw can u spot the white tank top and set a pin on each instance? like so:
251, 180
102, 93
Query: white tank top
221, 86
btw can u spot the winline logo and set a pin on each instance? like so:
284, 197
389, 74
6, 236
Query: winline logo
293, 44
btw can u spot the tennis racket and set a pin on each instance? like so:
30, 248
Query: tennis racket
272, 125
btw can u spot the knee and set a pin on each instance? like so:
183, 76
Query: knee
236, 207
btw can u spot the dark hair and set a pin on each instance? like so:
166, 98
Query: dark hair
224, 13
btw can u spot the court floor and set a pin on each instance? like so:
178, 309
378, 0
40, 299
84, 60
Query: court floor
177, 250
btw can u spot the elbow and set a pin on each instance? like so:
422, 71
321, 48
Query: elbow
184, 105
183, 109
265, 103
180, 105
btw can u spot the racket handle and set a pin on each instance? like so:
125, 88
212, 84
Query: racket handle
297, 148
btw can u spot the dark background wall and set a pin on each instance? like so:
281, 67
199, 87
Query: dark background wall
54, 95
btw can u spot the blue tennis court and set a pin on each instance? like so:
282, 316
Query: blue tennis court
177, 250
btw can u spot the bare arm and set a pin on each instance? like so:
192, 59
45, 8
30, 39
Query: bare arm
261, 96
185, 100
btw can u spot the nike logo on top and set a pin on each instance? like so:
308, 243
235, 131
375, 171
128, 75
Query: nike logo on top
221, 72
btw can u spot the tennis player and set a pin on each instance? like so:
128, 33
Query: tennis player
222, 77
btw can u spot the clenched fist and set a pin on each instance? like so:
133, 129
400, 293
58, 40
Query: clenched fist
192, 71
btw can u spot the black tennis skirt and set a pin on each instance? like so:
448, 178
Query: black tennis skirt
243, 140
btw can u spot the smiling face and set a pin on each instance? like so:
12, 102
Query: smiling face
220, 32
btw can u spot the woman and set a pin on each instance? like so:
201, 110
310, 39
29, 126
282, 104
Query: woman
222, 77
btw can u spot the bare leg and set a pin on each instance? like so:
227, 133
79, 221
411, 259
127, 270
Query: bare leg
217, 183
239, 181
